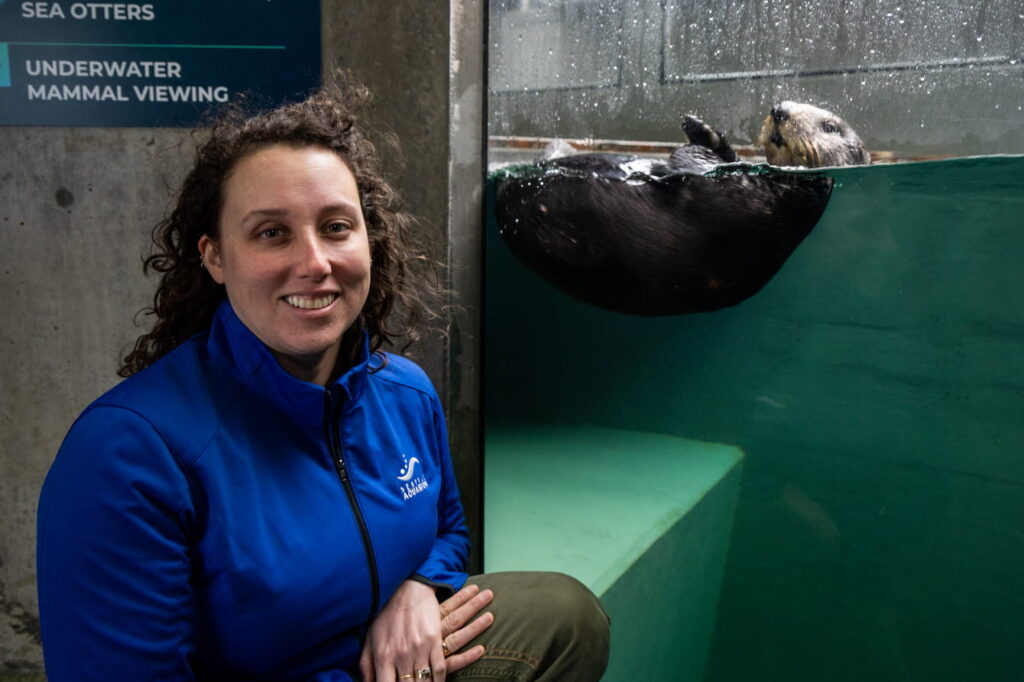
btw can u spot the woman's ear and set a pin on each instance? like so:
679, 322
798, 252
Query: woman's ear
209, 254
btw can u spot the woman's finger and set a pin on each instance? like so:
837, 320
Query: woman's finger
458, 599
438, 663
463, 658
436, 673
366, 666
464, 613
401, 664
388, 673
464, 636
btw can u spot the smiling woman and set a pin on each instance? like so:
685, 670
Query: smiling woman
322, 130
268, 495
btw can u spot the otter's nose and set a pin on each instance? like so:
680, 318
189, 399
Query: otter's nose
779, 114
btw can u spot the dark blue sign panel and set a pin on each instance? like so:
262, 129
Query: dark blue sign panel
151, 63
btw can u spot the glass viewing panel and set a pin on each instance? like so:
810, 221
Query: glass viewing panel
875, 385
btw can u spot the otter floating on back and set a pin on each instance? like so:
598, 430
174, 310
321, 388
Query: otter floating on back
648, 237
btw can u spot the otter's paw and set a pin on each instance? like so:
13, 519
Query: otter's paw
701, 134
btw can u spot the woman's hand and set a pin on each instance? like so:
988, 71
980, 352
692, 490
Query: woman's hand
458, 627
407, 634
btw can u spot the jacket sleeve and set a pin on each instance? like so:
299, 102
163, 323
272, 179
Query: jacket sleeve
445, 568
112, 555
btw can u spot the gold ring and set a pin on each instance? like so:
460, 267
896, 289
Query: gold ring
424, 674
407, 676
444, 649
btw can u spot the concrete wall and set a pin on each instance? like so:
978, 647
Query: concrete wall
915, 77
76, 209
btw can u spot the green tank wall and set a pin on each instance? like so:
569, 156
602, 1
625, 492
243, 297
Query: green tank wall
876, 387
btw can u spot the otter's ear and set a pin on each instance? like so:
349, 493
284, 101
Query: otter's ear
209, 252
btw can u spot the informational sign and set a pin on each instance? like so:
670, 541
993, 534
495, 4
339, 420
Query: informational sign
151, 63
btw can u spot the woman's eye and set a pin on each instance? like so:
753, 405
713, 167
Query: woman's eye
336, 228
270, 233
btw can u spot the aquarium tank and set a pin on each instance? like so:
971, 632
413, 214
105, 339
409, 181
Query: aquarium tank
875, 385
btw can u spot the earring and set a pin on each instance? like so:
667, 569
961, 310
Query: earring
202, 263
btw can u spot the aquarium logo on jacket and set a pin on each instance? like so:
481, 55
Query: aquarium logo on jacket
412, 485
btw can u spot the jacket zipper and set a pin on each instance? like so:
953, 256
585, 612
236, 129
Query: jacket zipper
331, 428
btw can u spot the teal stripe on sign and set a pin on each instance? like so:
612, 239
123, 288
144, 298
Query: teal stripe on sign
5, 67
188, 47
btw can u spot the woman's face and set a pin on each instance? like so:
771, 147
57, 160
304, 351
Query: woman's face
293, 254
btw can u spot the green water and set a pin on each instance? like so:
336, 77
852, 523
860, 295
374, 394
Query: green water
876, 386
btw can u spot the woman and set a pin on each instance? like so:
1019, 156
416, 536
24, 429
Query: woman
269, 496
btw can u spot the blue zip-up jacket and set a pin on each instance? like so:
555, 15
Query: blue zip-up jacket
214, 518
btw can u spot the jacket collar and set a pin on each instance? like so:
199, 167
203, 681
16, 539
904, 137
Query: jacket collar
234, 347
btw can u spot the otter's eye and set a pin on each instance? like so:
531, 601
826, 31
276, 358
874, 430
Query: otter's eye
830, 127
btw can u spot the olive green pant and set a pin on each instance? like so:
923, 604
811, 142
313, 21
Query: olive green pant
547, 626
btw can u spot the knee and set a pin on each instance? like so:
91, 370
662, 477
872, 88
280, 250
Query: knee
566, 595
576, 619
552, 619
580, 627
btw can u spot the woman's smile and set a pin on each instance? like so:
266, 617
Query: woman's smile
311, 302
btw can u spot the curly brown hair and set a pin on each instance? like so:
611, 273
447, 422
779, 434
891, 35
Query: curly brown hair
405, 294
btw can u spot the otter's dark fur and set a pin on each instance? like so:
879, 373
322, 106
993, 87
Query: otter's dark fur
657, 238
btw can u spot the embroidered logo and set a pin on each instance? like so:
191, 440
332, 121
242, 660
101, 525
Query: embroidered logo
412, 485
408, 469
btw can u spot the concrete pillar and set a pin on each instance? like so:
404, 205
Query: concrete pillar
425, 64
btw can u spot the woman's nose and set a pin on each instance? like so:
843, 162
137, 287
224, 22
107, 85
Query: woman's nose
313, 261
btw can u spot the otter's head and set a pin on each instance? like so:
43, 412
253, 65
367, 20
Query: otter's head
795, 134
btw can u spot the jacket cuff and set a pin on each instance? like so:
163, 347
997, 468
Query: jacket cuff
443, 590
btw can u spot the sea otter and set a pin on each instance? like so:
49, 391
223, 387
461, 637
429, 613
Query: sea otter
795, 134
648, 237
